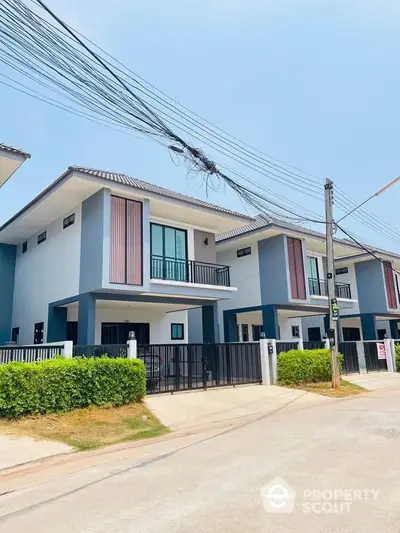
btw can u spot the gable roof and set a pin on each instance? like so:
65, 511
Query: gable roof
13, 150
156, 189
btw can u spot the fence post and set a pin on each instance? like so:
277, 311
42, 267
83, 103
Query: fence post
265, 368
300, 344
132, 346
362, 364
389, 354
68, 349
327, 344
393, 347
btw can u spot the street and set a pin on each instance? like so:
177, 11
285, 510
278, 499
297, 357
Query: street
340, 457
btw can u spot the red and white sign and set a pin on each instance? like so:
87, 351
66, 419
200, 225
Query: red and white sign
381, 350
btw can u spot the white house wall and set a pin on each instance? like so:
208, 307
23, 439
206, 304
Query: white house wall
160, 322
350, 278
46, 273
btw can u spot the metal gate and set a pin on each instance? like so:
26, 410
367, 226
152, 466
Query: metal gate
350, 357
371, 357
177, 367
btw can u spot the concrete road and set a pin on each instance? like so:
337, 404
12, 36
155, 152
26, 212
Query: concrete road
340, 458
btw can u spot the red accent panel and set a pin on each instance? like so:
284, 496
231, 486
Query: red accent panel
389, 281
296, 268
117, 240
134, 243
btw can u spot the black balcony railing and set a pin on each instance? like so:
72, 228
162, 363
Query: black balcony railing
189, 271
319, 287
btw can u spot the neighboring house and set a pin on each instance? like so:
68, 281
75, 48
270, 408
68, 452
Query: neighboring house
99, 254
280, 271
10, 160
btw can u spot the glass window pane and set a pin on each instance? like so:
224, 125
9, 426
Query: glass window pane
169, 235
156, 240
180, 248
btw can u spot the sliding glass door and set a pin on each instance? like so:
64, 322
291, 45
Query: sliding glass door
313, 276
168, 253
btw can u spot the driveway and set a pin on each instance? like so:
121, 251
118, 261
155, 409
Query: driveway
340, 458
375, 380
18, 450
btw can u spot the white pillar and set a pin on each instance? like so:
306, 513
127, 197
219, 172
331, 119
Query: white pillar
132, 346
265, 368
389, 355
274, 361
300, 345
327, 344
68, 349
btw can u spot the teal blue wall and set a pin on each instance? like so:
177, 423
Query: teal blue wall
8, 255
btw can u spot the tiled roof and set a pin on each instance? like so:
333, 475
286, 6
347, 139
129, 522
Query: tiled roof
13, 150
149, 187
263, 221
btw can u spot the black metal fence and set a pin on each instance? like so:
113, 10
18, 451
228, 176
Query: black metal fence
313, 345
189, 271
175, 367
29, 354
350, 357
371, 357
100, 350
282, 346
319, 287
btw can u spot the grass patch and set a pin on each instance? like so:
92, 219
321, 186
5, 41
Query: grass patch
87, 429
325, 388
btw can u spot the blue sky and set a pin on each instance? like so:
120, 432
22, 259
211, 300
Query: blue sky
315, 84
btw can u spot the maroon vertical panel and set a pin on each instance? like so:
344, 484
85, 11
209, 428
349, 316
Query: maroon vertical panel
298, 253
134, 243
296, 268
292, 266
118, 240
389, 281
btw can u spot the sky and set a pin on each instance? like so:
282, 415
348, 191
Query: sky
314, 84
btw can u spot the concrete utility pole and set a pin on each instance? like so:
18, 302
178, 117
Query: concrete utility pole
332, 302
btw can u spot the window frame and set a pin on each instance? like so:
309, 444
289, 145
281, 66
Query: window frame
24, 247
36, 326
42, 237
245, 328
256, 330
69, 221
180, 337
15, 330
294, 329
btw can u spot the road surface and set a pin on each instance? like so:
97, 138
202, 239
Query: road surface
336, 464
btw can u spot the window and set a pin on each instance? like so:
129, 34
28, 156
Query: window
313, 274
24, 247
295, 332
168, 253
245, 332
244, 251
38, 333
296, 268
314, 334
42, 237
15, 335
68, 221
257, 330
177, 332
342, 270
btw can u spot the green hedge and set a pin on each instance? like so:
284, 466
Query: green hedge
397, 350
305, 366
65, 384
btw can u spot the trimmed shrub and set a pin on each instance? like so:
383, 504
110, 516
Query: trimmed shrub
305, 366
397, 351
65, 384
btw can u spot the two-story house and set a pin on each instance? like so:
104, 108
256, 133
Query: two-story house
99, 254
10, 161
280, 271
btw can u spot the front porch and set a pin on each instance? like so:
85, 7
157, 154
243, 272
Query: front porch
282, 322
108, 318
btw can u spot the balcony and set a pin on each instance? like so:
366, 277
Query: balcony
319, 287
188, 271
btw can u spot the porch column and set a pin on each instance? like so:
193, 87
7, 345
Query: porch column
394, 329
86, 318
230, 327
270, 321
368, 326
57, 324
210, 323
